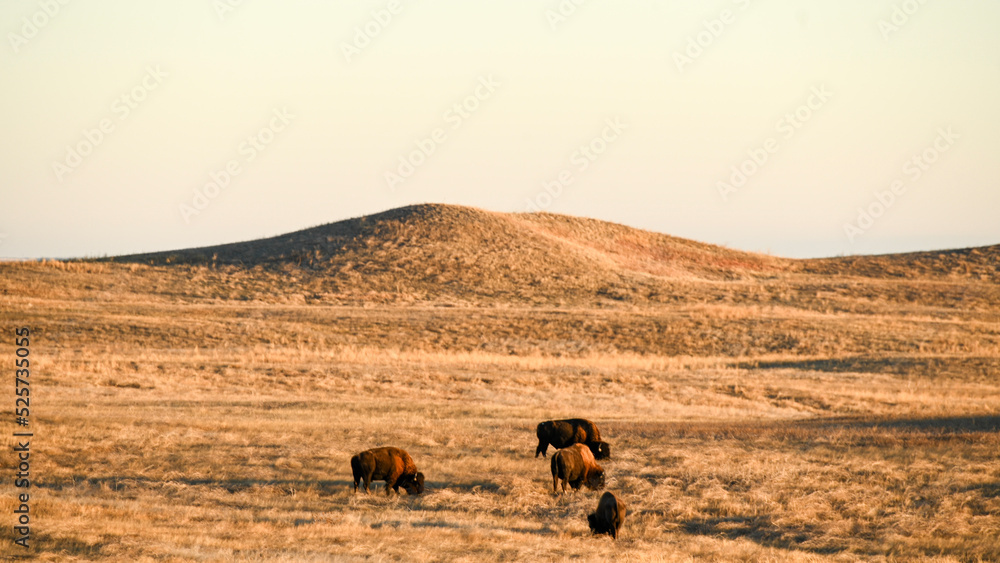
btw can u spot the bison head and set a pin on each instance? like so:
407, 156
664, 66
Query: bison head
595, 479
415, 484
592, 521
601, 450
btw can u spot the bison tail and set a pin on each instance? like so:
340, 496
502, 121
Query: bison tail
554, 464
559, 471
356, 470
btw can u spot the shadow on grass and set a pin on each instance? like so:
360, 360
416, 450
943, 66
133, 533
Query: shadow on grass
956, 425
328, 486
121, 483
960, 367
987, 490
48, 543
419, 524
830, 432
542, 531
469, 487
761, 530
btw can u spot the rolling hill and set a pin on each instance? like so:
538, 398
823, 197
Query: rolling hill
435, 251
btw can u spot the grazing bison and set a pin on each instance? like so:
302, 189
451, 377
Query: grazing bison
393, 465
575, 465
608, 517
563, 433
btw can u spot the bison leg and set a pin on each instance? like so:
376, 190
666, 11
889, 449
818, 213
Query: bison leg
392, 481
402, 481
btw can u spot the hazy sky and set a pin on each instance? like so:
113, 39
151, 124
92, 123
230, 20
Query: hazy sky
860, 126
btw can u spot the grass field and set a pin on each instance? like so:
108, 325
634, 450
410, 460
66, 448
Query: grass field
208, 413
219, 453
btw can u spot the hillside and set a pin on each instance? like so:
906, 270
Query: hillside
433, 252
460, 256
982, 263
477, 239
467, 253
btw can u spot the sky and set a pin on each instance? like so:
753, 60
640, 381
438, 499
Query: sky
800, 128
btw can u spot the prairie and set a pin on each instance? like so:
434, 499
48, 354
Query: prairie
191, 408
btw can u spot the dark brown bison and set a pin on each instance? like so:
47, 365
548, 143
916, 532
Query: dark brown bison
563, 433
608, 517
393, 465
575, 465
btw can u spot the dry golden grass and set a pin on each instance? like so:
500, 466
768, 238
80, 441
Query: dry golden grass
217, 454
758, 409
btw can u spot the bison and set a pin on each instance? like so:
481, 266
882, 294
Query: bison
563, 433
393, 465
575, 465
608, 517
